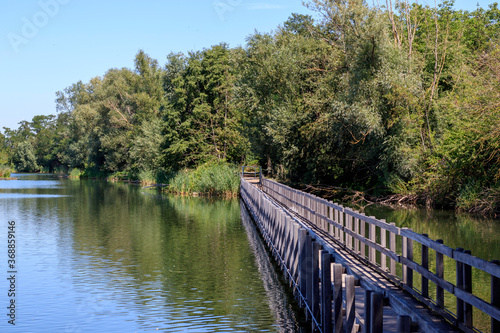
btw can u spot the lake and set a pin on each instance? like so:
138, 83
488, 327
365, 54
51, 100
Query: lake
110, 257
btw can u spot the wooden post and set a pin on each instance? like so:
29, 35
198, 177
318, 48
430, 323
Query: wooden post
326, 291
467, 288
307, 263
404, 324
460, 285
350, 314
372, 256
392, 245
377, 313
348, 238
440, 274
356, 231
495, 298
337, 298
341, 222
368, 310
383, 243
425, 264
408, 253
315, 280
362, 227
301, 266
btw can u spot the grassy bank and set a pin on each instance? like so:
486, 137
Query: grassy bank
5, 171
213, 179
210, 179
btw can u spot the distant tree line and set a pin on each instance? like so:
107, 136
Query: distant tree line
397, 99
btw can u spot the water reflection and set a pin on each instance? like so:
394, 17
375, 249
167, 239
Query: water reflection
95, 256
480, 235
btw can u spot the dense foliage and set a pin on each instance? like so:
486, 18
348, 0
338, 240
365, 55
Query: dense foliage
397, 99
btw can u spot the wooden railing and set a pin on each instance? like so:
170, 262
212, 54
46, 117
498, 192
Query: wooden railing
390, 250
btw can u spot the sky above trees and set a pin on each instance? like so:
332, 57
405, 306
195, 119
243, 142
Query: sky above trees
46, 45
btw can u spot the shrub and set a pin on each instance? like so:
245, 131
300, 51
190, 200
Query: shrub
75, 173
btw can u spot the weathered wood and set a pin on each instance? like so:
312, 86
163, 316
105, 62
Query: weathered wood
372, 257
435, 245
468, 288
440, 274
301, 266
315, 280
350, 304
404, 324
486, 266
373, 245
377, 313
495, 298
349, 228
460, 285
337, 298
373, 221
408, 253
383, 244
368, 310
439, 281
326, 291
425, 265
392, 247
307, 263
362, 227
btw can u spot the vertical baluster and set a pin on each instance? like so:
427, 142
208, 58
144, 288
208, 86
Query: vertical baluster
440, 274
495, 298
326, 291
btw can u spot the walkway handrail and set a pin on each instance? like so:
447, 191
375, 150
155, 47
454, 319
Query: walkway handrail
375, 242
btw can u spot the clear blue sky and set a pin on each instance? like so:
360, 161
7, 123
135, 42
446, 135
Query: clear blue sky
47, 45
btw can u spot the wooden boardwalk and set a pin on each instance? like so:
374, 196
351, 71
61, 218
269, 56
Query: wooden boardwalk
370, 279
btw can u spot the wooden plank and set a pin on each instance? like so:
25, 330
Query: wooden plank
460, 285
495, 298
356, 231
377, 313
372, 257
350, 303
337, 298
478, 263
301, 264
383, 244
480, 304
373, 221
440, 274
309, 272
404, 324
326, 291
368, 310
425, 265
392, 248
408, 254
376, 246
439, 281
362, 227
435, 245
468, 288
315, 280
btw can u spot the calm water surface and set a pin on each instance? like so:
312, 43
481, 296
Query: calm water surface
104, 257
479, 235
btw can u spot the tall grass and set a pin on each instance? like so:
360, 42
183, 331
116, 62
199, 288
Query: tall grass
5, 171
213, 179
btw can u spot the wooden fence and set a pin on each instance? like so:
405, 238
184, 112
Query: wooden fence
390, 251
